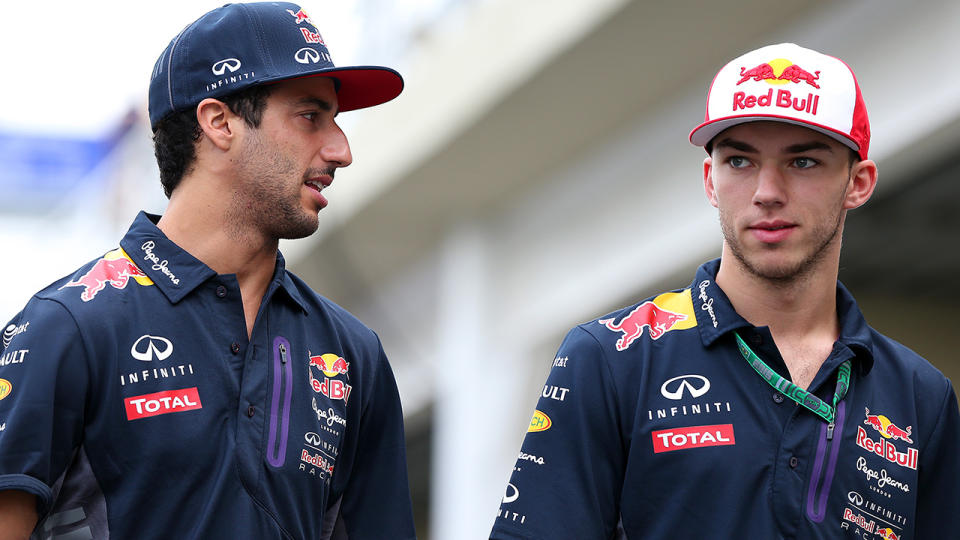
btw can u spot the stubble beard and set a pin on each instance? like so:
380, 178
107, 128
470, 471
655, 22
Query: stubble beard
266, 198
786, 272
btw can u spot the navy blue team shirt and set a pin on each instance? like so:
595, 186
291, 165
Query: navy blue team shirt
133, 405
652, 425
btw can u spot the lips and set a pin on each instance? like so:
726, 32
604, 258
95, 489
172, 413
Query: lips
771, 232
318, 184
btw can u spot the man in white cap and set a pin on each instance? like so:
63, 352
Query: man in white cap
757, 402
185, 384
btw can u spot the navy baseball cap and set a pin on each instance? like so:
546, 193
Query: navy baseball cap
242, 45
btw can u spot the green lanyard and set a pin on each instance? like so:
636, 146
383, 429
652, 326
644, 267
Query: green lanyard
794, 392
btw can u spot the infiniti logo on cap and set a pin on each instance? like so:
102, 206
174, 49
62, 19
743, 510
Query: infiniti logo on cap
686, 384
227, 64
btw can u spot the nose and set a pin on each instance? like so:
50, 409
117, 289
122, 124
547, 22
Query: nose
336, 148
770, 188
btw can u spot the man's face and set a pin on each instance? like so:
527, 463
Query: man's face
781, 191
286, 162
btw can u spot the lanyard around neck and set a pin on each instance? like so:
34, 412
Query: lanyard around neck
794, 392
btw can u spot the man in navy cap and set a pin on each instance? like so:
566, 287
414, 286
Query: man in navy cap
756, 402
185, 384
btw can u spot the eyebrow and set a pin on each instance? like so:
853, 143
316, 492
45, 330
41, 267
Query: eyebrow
321, 104
792, 149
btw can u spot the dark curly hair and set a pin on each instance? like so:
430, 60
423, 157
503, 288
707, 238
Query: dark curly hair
176, 136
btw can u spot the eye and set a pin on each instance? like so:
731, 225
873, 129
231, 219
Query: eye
805, 162
738, 162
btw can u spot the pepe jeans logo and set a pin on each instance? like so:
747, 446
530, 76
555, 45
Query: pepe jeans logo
158, 265
687, 383
227, 64
147, 347
706, 302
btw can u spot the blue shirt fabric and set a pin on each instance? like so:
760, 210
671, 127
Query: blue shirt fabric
652, 425
134, 406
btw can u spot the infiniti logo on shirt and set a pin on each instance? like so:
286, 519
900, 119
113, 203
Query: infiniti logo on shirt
148, 347
696, 385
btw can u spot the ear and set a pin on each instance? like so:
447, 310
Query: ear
862, 182
217, 122
708, 187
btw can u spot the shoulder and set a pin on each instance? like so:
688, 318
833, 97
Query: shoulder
323, 311
894, 360
659, 319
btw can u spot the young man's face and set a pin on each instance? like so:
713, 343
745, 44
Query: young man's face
782, 193
291, 157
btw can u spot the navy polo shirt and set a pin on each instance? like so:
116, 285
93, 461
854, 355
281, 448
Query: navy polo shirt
652, 425
133, 405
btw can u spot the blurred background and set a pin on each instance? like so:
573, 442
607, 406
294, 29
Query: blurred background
534, 174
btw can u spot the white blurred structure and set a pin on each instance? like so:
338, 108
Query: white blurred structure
535, 174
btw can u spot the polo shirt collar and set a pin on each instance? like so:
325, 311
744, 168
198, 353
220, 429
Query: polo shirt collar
717, 317
174, 271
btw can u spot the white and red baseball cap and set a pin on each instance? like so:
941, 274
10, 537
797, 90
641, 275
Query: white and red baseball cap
792, 84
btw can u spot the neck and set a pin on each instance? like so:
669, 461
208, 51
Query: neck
201, 220
801, 308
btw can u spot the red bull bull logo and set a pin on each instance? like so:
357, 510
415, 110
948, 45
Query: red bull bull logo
779, 71
669, 311
331, 365
888, 429
888, 534
114, 269
300, 15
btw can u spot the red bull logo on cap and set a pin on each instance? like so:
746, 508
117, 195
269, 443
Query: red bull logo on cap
116, 269
779, 71
331, 365
887, 429
667, 312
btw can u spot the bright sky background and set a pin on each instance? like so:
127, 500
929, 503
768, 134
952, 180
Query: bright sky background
76, 67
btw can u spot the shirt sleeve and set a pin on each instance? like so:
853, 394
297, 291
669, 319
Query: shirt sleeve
939, 471
376, 500
43, 384
569, 474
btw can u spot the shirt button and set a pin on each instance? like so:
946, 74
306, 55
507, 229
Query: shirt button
251, 410
794, 462
235, 347
221, 291
778, 397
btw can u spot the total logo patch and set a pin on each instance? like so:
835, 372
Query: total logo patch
330, 365
166, 402
669, 311
539, 422
668, 440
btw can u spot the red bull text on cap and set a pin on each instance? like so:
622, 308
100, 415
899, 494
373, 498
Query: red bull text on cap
792, 84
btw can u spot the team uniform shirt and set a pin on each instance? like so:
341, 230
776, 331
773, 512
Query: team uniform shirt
133, 405
653, 425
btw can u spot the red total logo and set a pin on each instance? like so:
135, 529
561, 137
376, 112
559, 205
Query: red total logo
668, 440
169, 401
